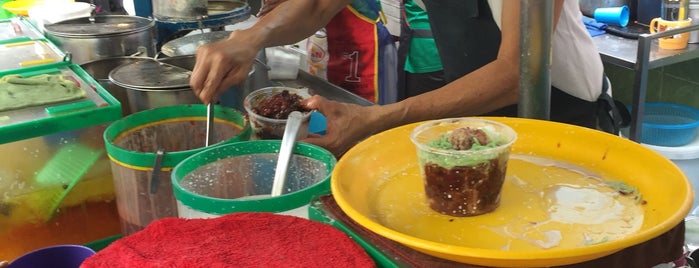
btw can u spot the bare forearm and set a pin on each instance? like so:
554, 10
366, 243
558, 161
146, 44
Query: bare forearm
491, 87
292, 21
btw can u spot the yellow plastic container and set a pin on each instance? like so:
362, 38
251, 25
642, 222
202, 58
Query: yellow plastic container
21, 7
4, 13
55, 181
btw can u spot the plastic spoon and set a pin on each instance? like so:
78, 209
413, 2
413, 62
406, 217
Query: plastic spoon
293, 123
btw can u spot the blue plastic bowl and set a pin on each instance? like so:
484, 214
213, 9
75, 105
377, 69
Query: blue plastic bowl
668, 124
58, 256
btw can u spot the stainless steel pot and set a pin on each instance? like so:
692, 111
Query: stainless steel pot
180, 10
188, 44
100, 69
195, 10
103, 36
694, 15
588, 6
150, 84
233, 97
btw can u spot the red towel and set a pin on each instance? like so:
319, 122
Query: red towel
236, 240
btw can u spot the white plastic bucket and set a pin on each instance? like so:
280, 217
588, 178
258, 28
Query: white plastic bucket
54, 12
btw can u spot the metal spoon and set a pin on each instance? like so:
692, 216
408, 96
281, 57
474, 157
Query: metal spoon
293, 123
157, 165
209, 107
209, 124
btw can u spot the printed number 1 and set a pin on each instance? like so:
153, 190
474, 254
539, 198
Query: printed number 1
353, 75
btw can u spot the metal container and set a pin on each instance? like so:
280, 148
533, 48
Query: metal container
151, 84
588, 6
103, 36
188, 44
674, 9
694, 15
99, 70
194, 10
233, 97
185, 10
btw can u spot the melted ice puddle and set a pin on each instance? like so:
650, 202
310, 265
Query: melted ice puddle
577, 207
545, 204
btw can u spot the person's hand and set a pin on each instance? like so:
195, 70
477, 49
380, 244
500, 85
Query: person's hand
347, 124
220, 65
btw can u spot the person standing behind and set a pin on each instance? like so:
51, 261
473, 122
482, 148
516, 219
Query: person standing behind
420, 68
478, 43
109, 7
362, 57
362, 54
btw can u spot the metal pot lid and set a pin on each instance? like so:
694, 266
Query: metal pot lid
150, 74
188, 45
99, 26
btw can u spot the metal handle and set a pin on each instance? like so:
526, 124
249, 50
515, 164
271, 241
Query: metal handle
263, 64
93, 11
155, 176
291, 129
209, 124
157, 55
141, 50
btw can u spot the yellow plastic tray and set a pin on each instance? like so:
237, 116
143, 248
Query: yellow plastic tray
21, 7
378, 184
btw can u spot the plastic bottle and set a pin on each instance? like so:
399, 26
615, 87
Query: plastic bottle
317, 48
674, 10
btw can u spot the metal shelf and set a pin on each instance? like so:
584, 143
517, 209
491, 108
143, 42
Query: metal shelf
324, 88
642, 55
622, 52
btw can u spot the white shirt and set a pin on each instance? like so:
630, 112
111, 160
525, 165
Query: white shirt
576, 66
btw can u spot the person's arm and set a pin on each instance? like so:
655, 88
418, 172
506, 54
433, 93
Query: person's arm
223, 64
486, 89
267, 6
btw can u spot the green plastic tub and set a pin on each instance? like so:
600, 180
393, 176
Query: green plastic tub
238, 177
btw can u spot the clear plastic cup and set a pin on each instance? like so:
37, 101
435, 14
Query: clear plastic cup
284, 63
265, 128
459, 181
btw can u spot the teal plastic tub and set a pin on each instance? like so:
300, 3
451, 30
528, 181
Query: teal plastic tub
669, 124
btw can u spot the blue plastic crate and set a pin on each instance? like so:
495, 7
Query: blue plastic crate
668, 124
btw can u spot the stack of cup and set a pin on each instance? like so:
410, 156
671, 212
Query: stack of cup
284, 62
